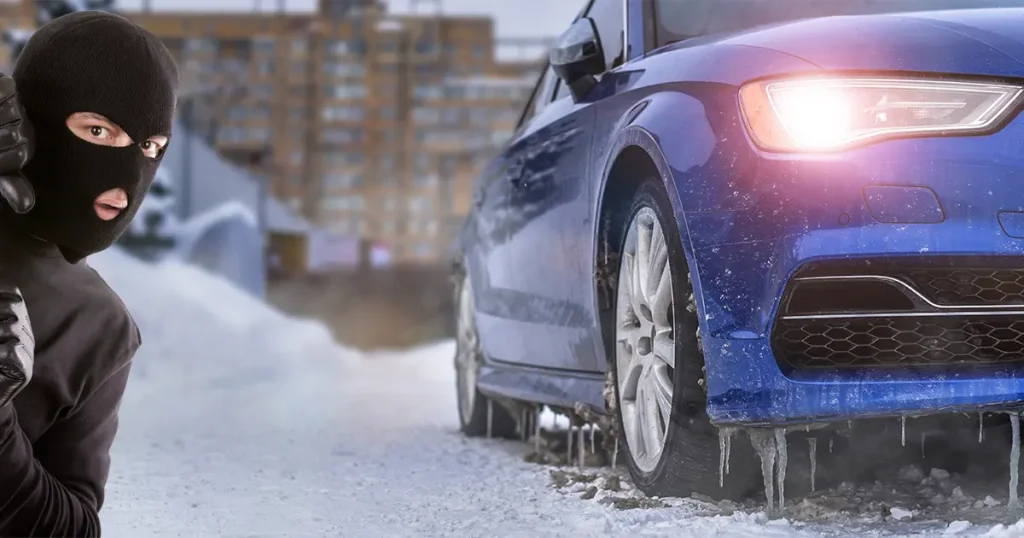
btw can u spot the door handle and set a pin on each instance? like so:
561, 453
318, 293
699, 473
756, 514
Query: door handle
514, 173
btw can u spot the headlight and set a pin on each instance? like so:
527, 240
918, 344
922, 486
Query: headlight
821, 114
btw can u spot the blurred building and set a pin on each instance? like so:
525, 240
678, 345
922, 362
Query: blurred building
16, 17
370, 124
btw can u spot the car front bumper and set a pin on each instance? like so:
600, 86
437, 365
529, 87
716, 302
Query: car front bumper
954, 199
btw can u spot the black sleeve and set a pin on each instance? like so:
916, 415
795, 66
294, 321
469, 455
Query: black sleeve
57, 489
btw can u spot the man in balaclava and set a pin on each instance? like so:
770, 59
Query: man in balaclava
100, 92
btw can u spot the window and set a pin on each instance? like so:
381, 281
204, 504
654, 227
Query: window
242, 113
342, 113
342, 160
345, 91
198, 44
264, 44
342, 136
608, 18
423, 161
344, 180
344, 203
265, 68
540, 97
426, 180
561, 91
419, 204
261, 91
426, 115
344, 69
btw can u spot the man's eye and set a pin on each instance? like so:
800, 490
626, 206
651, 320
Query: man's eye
97, 131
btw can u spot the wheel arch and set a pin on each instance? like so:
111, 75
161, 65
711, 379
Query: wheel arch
634, 152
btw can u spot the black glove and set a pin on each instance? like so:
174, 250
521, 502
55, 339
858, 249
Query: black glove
17, 344
16, 147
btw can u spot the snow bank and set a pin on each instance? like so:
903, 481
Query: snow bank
201, 336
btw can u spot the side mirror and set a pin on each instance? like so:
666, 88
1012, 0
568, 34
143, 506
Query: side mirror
578, 57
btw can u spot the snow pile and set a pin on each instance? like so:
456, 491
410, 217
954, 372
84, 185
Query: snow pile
202, 336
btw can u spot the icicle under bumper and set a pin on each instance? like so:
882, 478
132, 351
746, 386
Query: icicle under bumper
724, 452
770, 445
1014, 502
812, 443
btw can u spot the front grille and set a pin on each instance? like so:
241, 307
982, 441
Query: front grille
900, 341
967, 287
917, 312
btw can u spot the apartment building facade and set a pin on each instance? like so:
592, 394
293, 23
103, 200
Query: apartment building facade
370, 124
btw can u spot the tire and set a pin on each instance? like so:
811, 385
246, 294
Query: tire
687, 460
472, 404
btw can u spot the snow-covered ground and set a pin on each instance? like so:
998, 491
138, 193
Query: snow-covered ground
240, 421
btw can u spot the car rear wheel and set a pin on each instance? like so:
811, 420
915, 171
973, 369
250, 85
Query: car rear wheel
473, 406
672, 448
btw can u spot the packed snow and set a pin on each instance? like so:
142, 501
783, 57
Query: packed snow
242, 421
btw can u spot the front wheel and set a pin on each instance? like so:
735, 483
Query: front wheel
473, 406
658, 364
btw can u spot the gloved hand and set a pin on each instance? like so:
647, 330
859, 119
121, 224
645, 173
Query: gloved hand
17, 344
16, 147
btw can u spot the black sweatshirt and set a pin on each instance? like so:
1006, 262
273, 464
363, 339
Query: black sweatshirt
55, 440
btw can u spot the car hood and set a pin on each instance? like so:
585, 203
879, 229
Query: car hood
971, 41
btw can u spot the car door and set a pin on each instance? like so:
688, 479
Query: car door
493, 266
549, 320
483, 237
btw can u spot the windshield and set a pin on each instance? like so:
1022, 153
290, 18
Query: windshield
684, 19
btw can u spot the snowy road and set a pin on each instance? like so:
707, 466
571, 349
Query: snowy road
242, 422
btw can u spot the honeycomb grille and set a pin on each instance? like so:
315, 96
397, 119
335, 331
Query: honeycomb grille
960, 287
886, 342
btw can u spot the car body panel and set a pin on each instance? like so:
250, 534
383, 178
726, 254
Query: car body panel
940, 42
543, 287
749, 219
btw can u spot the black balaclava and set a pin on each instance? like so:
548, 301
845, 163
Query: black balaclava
91, 61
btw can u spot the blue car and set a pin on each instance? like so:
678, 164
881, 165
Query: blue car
752, 215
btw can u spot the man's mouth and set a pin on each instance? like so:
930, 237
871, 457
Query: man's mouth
110, 204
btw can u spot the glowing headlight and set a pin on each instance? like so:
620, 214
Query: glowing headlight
832, 113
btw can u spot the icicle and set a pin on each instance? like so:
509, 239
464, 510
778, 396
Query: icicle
728, 450
490, 417
830, 441
903, 430
849, 425
923, 437
1014, 460
764, 444
581, 448
524, 426
724, 453
568, 445
813, 450
536, 432
722, 436
782, 461
808, 428
592, 428
615, 453
981, 426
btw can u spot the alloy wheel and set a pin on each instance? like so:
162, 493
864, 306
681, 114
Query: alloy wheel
467, 359
645, 343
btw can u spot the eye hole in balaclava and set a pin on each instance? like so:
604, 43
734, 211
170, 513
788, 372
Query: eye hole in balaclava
99, 72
